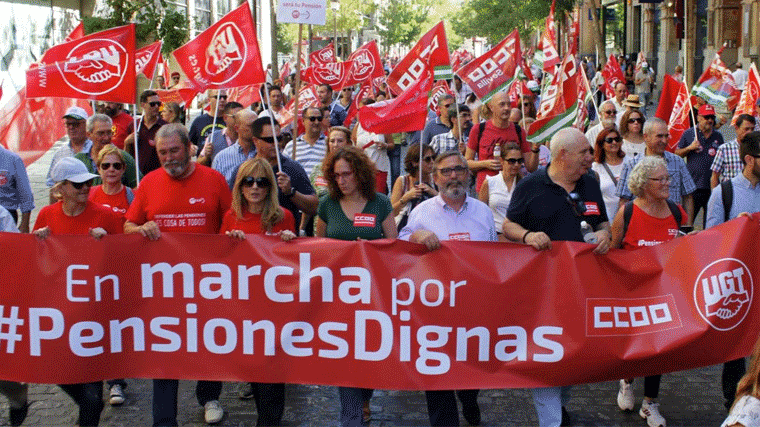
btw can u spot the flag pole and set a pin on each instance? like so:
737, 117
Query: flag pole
588, 88
298, 90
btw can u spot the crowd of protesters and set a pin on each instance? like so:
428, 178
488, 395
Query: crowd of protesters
469, 174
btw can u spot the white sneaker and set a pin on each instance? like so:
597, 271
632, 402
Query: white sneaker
213, 412
116, 395
625, 399
651, 411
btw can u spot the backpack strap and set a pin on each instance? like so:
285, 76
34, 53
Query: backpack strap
627, 214
130, 195
675, 211
727, 191
481, 128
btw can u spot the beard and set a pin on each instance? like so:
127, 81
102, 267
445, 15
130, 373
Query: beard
454, 190
176, 168
608, 123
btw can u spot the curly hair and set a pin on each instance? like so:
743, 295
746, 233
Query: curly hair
272, 213
600, 156
363, 168
640, 174
413, 156
623, 125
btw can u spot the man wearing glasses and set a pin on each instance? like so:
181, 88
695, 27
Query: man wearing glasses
451, 215
206, 123
229, 160
607, 120
311, 147
681, 184
549, 205
75, 119
699, 145
150, 123
100, 132
440, 124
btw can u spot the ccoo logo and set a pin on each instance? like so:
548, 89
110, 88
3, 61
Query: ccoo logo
226, 53
95, 67
723, 293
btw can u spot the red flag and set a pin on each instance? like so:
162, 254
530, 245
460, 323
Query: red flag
307, 97
561, 104
147, 58
430, 56
183, 93
76, 33
493, 71
165, 69
574, 34
548, 44
750, 94
99, 66
717, 87
678, 121
285, 70
670, 88
365, 91
245, 95
612, 75
363, 65
439, 88
323, 56
225, 55
517, 89
405, 113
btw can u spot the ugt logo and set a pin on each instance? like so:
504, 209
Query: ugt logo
723, 293
95, 66
226, 53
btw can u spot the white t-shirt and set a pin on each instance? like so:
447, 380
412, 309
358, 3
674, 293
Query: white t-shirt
499, 196
632, 149
378, 155
608, 186
746, 411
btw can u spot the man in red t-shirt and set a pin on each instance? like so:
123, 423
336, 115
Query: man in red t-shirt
498, 130
180, 196
123, 125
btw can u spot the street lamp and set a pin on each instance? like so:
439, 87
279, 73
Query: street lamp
335, 6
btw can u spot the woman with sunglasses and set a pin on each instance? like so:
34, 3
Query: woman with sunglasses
651, 219
74, 213
608, 165
632, 131
408, 191
255, 208
496, 190
112, 194
352, 210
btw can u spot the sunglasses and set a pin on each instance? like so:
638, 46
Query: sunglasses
639, 119
220, 96
106, 166
612, 139
261, 182
579, 207
515, 161
610, 112
314, 118
155, 104
79, 185
459, 170
267, 139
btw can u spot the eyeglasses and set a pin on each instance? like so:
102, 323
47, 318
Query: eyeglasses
662, 180
220, 96
613, 139
579, 207
79, 185
347, 89
526, 104
610, 112
459, 170
709, 118
515, 161
155, 104
267, 139
313, 118
261, 182
106, 166
638, 119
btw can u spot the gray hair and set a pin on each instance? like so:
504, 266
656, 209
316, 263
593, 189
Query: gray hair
563, 138
444, 97
651, 123
446, 154
607, 102
102, 118
170, 129
642, 171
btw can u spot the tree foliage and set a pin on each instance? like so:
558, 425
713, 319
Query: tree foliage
154, 20
495, 19
402, 21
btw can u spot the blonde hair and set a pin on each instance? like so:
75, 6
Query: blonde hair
109, 149
748, 385
272, 213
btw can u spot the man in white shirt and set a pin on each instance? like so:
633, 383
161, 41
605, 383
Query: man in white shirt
740, 76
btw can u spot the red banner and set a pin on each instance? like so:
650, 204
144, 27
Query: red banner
323, 56
750, 94
612, 75
225, 55
245, 95
363, 65
98, 66
494, 70
147, 58
405, 113
548, 43
430, 52
211, 307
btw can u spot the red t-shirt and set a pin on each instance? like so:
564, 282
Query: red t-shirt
646, 230
195, 204
123, 126
94, 215
492, 136
116, 202
251, 222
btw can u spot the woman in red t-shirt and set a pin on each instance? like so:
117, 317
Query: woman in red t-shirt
255, 208
652, 222
112, 193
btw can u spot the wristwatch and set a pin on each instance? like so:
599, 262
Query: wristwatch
292, 192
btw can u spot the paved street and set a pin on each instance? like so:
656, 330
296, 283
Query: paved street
690, 398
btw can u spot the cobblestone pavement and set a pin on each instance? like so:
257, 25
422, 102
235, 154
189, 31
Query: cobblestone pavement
688, 398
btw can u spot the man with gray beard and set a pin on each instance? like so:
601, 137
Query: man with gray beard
607, 120
451, 215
